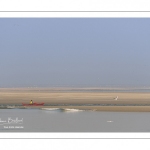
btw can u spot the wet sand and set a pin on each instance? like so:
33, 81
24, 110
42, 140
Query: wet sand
79, 96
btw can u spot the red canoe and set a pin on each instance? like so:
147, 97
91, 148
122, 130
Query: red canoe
34, 104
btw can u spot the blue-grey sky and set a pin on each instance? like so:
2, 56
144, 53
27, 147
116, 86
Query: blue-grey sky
74, 52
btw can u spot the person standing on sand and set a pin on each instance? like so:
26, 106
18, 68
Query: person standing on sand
31, 102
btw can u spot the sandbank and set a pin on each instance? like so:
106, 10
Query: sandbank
128, 100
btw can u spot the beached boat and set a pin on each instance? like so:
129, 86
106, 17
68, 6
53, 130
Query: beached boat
34, 104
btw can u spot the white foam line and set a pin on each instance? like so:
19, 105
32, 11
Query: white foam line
50, 108
11, 106
72, 110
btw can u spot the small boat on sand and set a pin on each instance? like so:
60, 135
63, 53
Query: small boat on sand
34, 104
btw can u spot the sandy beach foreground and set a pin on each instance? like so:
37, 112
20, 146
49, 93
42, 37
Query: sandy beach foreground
80, 98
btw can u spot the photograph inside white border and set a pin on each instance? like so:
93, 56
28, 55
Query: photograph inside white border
114, 99
76, 15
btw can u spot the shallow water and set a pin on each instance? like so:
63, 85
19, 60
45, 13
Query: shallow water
71, 120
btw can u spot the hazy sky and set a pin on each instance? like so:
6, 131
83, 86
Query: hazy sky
74, 52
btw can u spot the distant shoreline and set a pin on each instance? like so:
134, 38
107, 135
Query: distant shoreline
86, 89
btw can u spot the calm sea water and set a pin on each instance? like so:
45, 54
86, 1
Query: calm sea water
38, 120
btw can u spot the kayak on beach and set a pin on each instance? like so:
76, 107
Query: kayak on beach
34, 104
